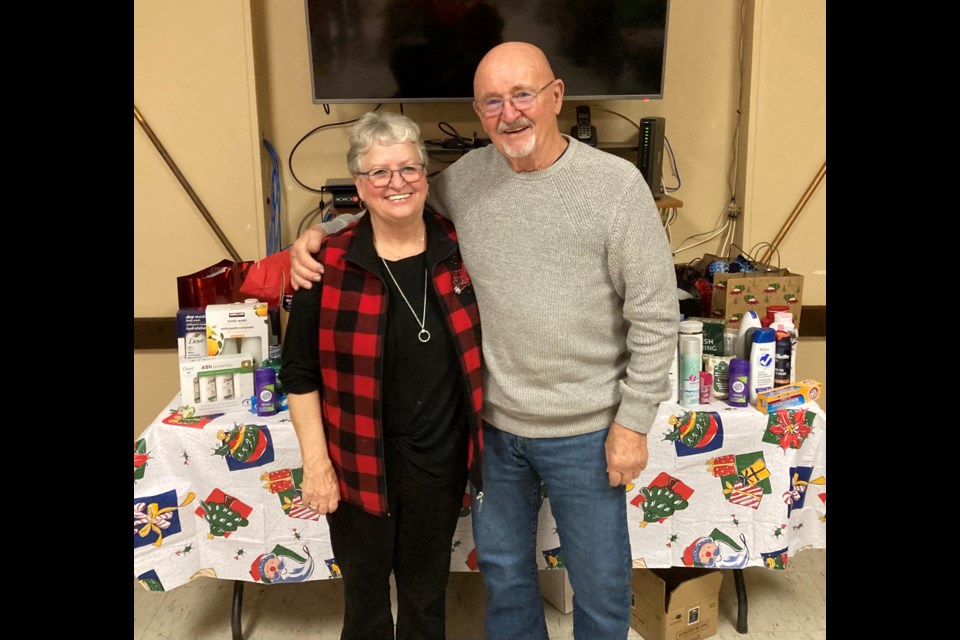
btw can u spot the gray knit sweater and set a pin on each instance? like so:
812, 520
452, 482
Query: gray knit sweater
576, 289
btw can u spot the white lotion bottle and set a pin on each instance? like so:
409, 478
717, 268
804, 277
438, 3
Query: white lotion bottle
762, 354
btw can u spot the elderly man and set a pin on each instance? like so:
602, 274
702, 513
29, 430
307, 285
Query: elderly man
576, 288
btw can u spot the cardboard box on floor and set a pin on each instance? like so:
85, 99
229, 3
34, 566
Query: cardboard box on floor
555, 588
674, 604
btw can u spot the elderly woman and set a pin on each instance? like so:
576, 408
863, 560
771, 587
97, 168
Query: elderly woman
381, 363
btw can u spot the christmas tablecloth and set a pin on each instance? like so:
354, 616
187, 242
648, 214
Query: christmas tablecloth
724, 488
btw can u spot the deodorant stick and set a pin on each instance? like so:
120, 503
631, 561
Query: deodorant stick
264, 386
739, 381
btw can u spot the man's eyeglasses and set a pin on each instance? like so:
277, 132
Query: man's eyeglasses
521, 100
381, 177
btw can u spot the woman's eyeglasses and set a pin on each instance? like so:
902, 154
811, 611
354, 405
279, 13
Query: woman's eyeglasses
381, 177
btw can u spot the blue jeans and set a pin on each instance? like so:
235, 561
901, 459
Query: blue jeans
591, 522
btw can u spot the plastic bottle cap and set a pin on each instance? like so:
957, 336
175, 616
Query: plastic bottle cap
691, 326
738, 366
764, 335
265, 375
783, 316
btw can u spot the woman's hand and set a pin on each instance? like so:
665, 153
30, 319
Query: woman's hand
319, 489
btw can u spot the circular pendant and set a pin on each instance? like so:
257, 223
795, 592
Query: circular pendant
424, 335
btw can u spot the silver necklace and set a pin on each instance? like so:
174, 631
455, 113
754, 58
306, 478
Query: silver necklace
424, 335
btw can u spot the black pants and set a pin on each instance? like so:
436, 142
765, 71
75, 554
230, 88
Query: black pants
414, 542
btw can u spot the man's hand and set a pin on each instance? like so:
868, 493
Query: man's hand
304, 270
626, 454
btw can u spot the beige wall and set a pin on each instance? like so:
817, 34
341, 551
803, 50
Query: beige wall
786, 136
812, 364
699, 104
194, 84
155, 382
785, 146
194, 81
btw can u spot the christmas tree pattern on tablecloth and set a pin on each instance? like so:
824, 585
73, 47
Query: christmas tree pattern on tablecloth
150, 581
224, 514
664, 496
156, 516
788, 428
245, 446
744, 478
140, 458
285, 483
696, 432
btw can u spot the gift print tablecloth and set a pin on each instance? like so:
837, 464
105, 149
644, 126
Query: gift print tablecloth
219, 496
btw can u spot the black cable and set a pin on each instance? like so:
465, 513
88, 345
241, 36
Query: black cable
673, 163
311, 214
300, 141
450, 130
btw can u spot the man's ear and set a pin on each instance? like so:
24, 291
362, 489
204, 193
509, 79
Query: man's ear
558, 96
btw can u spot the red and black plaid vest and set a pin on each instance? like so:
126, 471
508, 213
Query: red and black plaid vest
353, 321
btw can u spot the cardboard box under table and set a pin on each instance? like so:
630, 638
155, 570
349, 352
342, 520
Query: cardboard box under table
555, 588
674, 604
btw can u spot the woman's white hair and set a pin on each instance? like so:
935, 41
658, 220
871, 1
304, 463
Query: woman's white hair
382, 128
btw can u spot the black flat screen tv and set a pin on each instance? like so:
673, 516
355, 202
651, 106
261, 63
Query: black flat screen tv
427, 50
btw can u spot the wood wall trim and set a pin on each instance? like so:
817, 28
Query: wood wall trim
154, 333
161, 333
813, 322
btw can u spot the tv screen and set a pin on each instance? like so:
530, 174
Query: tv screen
427, 50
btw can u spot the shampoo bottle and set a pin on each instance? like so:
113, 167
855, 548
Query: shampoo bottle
762, 354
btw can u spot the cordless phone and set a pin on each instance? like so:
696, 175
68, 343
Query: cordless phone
584, 131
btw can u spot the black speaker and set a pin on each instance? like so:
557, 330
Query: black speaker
650, 153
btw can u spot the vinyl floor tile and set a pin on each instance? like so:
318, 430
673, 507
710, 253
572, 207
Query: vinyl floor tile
782, 605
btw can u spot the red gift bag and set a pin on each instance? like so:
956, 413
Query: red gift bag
268, 280
217, 284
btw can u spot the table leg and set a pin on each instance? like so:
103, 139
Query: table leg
741, 601
237, 610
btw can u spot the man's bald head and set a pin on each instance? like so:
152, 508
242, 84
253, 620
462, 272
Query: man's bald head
528, 135
517, 58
